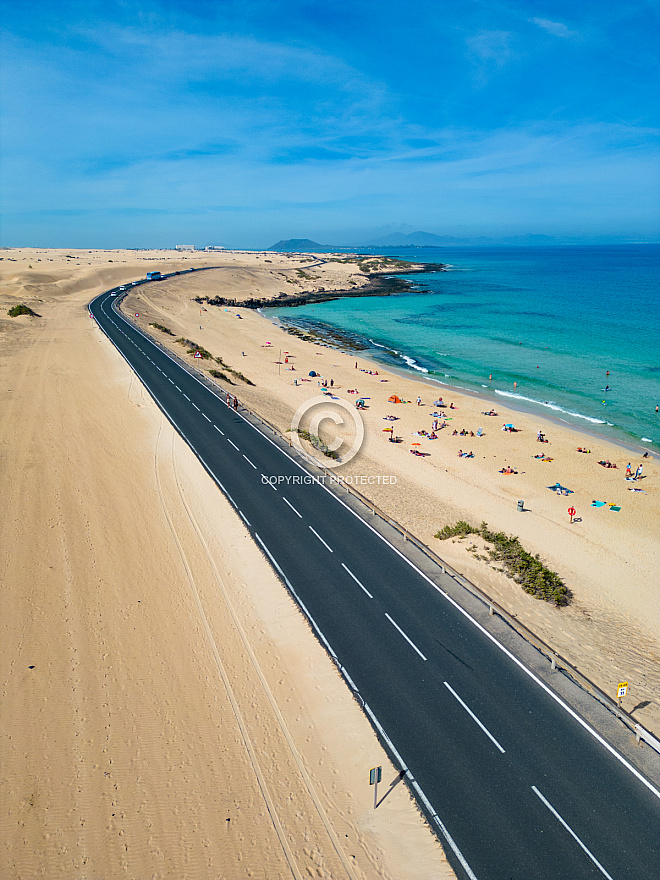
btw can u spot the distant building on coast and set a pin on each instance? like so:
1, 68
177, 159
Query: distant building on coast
185, 247
214, 247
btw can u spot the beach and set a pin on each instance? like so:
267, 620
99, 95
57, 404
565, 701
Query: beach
607, 555
166, 710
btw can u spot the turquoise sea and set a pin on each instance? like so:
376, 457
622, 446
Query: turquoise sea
546, 322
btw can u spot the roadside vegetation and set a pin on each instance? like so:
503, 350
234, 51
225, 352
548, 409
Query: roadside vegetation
162, 328
205, 355
523, 567
21, 309
317, 443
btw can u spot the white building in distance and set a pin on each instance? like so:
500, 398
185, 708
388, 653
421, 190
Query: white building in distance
214, 247
185, 247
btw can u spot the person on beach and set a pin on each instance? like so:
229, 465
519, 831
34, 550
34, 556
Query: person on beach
419, 401
628, 470
638, 472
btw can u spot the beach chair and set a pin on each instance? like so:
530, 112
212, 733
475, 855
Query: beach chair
480, 432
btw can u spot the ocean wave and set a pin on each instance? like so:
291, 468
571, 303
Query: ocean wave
553, 406
646, 440
413, 363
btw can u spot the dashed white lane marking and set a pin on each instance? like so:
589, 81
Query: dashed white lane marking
292, 507
249, 462
186, 396
264, 479
410, 641
171, 381
357, 581
196, 407
473, 716
321, 539
218, 430
572, 833
233, 444
206, 417
178, 389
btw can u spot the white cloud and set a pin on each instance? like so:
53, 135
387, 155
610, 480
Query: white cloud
553, 27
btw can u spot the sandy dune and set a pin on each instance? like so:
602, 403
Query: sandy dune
166, 712
609, 559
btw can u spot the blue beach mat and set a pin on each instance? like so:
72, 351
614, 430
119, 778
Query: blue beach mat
598, 503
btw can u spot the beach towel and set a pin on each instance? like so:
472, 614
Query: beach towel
562, 489
598, 503
614, 507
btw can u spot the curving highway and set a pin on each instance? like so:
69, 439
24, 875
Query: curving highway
515, 783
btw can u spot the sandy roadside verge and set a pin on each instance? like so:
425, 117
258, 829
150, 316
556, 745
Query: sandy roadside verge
166, 711
608, 558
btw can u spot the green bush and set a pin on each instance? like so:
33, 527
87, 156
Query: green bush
162, 328
217, 374
526, 569
21, 309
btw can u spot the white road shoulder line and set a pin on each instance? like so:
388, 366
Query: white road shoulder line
321, 540
292, 507
240, 512
410, 642
233, 444
362, 586
572, 833
473, 716
249, 462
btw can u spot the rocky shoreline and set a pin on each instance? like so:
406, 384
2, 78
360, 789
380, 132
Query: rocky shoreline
377, 285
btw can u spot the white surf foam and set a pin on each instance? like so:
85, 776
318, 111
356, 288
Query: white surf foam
553, 406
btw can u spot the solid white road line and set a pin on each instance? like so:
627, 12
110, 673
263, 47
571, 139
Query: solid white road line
233, 444
473, 716
357, 581
249, 462
243, 518
572, 833
292, 507
218, 430
321, 540
410, 642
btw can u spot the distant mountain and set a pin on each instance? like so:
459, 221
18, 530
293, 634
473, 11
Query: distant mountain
297, 245
429, 239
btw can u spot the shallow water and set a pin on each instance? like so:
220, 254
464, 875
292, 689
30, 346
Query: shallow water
546, 322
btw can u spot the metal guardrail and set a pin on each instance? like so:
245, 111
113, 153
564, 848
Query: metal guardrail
557, 661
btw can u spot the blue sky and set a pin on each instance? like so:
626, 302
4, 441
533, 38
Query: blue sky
240, 123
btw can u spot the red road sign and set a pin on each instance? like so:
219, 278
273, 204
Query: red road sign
571, 511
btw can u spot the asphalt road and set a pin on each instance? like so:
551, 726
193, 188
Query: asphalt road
516, 785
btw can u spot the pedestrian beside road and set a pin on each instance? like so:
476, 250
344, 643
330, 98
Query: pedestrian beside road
236, 403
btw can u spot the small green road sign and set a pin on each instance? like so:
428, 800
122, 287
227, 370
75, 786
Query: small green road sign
375, 775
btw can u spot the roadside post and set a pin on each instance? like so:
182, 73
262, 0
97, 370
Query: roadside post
571, 512
375, 775
621, 691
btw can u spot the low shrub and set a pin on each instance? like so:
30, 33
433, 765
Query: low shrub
162, 328
218, 374
21, 309
317, 443
520, 565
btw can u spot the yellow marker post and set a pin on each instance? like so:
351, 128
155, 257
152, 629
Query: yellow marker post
621, 691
